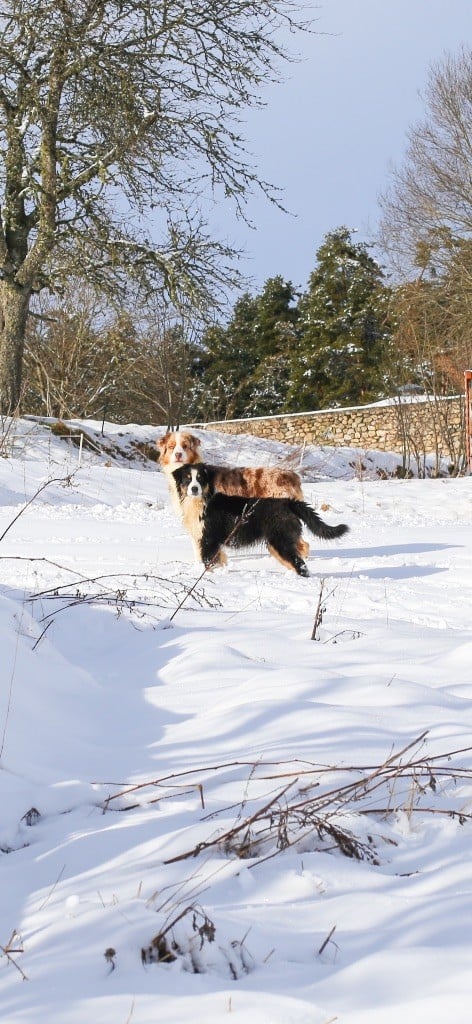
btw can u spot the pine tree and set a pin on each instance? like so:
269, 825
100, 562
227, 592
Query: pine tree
226, 359
244, 367
343, 328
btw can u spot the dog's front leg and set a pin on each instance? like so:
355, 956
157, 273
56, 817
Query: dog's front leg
197, 550
212, 553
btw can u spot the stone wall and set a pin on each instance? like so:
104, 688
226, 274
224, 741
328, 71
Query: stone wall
421, 426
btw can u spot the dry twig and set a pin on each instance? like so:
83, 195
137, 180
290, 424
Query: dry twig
11, 947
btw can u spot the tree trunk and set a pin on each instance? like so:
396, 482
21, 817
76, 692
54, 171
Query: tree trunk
14, 306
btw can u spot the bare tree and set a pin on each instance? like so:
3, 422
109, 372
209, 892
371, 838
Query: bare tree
427, 229
78, 357
160, 377
428, 352
116, 117
82, 360
428, 209
431, 344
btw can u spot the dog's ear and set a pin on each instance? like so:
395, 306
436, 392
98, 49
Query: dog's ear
195, 441
161, 442
210, 474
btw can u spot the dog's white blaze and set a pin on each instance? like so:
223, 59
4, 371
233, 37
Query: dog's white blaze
179, 454
194, 489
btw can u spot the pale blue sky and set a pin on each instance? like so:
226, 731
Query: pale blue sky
332, 131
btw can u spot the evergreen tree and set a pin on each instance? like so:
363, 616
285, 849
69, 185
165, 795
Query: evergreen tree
343, 329
275, 336
226, 359
243, 368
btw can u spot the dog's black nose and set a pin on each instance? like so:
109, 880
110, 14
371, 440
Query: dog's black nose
194, 489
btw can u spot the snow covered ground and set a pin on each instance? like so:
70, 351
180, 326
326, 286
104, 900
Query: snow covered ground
245, 796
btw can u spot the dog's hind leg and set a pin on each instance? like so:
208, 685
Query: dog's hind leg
283, 535
290, 560
303, 548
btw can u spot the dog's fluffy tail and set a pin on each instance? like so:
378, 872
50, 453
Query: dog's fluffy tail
315, 524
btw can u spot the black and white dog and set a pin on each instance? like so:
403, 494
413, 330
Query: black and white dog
216, 520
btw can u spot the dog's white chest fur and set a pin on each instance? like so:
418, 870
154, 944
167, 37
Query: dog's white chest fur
192, 510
